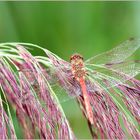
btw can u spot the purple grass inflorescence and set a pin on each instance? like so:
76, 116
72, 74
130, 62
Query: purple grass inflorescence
46, 120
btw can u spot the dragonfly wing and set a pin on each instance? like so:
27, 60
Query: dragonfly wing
63, 95
117, 54
129, 68
64, 92
113, 75
67, 87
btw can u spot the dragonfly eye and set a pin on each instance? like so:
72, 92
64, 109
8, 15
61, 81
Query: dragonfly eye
81, 58
76, 56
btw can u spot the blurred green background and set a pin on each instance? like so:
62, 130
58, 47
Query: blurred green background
88, 28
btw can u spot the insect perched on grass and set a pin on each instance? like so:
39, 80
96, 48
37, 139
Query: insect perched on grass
100, 84
79, 73
96, 75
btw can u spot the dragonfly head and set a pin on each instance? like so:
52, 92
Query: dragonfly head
76, 58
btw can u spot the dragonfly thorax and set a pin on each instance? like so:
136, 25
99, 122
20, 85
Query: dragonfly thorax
77, 66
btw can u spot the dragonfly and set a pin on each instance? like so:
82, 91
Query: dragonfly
103, 71
78, 71
111, 67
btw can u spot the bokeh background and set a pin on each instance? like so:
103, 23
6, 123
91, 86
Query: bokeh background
88, 28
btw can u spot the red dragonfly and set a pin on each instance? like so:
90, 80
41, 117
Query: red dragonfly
111, 66
104, 71
78, 71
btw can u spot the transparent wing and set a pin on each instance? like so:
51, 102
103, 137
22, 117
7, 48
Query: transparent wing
63, 95
117, 54
115, 74
106, 75
67, 87
65, 90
